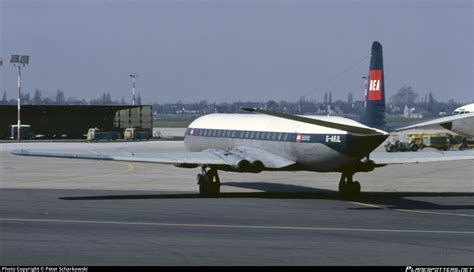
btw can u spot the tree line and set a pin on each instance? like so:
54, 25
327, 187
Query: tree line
41, 97
404, 97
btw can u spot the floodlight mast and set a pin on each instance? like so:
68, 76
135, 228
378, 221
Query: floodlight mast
133, 76
365, 90
18, 61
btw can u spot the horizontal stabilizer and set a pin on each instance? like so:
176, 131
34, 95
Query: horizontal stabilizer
345, 127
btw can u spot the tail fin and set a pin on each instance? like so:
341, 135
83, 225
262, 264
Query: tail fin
374, 115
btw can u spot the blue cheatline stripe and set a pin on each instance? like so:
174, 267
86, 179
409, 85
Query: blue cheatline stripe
326, 139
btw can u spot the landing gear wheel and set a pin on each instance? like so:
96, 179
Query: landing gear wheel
203, 184
209, 184
214, 189
348, 188
355, 188
342, 187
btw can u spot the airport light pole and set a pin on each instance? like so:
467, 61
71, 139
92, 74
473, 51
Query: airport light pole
365, 90
133, 76
19, 61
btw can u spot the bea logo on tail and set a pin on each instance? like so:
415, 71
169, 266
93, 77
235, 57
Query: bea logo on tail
375, 85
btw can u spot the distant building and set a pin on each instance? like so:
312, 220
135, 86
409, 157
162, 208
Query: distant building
411, 113
73, 121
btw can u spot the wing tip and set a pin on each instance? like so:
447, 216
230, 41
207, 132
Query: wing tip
250, 109
19, 152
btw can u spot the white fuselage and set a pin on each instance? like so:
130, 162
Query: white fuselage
464, 126
312, 147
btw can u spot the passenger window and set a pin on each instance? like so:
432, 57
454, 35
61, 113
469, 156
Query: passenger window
233, 133
285, 137
252, 135
279, 136
246, 135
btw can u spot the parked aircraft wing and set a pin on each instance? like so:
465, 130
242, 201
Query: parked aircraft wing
319, 122
443, 122
383, 158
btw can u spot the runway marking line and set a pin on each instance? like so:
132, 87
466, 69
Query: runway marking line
366, 205
235, 226
412, 211
440, 213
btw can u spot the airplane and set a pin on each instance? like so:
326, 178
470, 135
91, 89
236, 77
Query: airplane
461, 122
273, 141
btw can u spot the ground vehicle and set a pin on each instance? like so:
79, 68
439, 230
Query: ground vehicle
420, 140
25, 132
413, 143
131, 134
438, 141
94, 134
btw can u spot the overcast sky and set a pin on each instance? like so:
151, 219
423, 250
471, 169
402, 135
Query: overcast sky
236, 50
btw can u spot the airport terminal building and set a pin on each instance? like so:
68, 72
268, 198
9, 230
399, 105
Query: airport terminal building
73, 121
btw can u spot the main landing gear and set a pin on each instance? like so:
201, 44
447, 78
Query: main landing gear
209, 183
347, 187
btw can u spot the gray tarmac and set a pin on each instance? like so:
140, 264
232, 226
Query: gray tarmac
82, 212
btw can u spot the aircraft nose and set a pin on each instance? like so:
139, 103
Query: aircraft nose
361, 145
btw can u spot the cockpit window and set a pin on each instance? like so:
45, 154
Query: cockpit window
460, 111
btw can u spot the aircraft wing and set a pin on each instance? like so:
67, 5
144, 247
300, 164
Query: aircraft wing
443, 122
207, 158
215, 157
384, 158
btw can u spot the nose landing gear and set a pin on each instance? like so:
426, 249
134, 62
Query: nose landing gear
348, 187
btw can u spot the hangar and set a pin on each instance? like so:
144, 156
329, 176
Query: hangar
73, 121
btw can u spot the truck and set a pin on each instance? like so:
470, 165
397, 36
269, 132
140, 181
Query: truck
439, 141
131, 134
419, 140
94, 134
25, 132
413, 143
